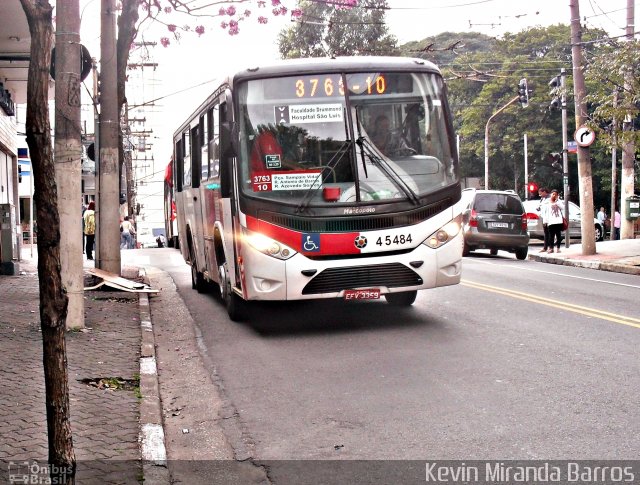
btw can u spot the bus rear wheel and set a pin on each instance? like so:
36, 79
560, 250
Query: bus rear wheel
236, 306
405, 298
198, 282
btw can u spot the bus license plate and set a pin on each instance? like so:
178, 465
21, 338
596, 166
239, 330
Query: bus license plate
369, 294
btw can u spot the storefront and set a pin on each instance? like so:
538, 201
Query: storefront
9, 201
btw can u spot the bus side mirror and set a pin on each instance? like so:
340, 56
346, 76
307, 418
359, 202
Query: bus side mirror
228, 150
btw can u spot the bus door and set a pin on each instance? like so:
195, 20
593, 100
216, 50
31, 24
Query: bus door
182, 181
196, 196
210, 186
190, 230
230, 207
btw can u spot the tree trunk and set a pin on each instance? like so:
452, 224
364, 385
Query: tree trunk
53, 300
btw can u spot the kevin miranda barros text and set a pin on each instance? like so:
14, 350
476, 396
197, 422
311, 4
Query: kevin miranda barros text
530, 471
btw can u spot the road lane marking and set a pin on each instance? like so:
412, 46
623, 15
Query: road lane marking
590, 312
521, 268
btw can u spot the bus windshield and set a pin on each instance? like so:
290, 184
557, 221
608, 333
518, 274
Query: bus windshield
351, 138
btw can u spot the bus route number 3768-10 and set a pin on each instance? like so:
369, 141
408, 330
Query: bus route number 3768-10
398, 239
261, 183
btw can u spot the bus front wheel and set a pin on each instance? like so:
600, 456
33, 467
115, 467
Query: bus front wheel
236, 306
404, 298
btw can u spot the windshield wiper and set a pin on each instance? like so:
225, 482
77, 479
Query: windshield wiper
364, 162
371, 152
330, 166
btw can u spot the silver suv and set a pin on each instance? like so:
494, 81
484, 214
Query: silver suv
534, 221
494, 220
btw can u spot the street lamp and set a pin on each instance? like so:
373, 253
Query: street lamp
486, 140
523, 97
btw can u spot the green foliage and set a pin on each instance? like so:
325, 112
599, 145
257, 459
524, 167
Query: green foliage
482, 74
613, 79
326, 30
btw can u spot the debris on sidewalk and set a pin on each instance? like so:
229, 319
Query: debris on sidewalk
117, 282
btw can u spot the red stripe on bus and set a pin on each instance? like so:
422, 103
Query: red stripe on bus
330, 243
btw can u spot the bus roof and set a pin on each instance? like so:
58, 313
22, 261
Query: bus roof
297, 67
324, 64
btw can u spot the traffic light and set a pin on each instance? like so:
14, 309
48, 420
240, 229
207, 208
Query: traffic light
556, 161
532, 187
556, 86
523, 92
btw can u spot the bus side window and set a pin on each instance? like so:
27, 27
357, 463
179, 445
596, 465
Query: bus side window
186, 159
226, 153
179, 165
214, 142
196, 166
203, 147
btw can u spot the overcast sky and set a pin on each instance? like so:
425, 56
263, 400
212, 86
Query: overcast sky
194, 60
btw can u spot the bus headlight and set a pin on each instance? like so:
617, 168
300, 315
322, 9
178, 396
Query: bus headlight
266, 245
445, 234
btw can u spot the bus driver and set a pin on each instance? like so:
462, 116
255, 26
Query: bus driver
388, 141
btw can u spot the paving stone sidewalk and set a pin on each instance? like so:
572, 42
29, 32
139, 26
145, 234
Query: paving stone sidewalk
104, 419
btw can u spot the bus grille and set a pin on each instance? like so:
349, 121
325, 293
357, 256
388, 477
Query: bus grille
355, 223
391, 275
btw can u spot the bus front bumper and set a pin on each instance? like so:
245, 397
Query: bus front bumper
302, 278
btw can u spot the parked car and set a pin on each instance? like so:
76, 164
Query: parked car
145, 239
534, 221
494, 220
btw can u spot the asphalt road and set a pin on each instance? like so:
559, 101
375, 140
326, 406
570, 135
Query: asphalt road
523, 360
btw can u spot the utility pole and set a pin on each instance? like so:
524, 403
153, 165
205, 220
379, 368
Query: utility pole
614, 171
628, 146
526, 168
96, 147
68, 155
585, 184
109, 189
565, 154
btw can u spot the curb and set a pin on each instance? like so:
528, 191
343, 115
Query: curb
154, 454
595, 264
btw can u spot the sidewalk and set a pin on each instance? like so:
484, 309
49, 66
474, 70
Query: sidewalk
621, 256
107, 380
104, 383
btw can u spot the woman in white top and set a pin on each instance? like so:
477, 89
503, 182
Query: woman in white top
554, 215
126, 233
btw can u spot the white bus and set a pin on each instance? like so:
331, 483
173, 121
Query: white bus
320, 178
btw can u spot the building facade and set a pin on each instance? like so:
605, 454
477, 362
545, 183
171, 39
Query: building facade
9, 200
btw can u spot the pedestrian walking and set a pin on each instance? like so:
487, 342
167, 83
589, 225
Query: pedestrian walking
126, 232
616, 224
544, 200
89, 219
554, 215
84, 238
602, 216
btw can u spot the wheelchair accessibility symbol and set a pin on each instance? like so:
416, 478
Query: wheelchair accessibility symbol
311, 242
